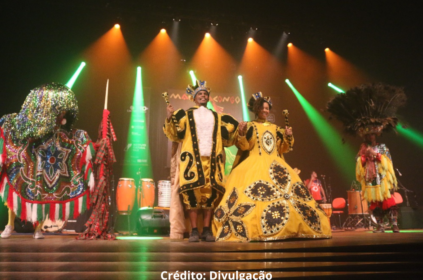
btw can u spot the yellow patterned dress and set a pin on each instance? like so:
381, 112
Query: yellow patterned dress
265, 199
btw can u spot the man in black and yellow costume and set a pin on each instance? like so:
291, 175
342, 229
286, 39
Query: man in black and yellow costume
203, 134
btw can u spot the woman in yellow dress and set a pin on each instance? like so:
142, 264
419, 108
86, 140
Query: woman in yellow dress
265, 199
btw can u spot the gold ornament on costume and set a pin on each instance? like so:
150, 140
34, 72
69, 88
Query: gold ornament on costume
289, 137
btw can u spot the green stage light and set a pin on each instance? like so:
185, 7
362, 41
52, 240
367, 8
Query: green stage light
137, 157
193, 78
411, 134
138, 238
75, 76
245, 114
336, 88
343, 155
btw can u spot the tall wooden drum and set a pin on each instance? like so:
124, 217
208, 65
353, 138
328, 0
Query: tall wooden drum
327, 207
354, 205
125, 195
146, 191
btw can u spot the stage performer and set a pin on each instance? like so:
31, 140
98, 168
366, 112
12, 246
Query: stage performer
265, 198
315, 187
46, 168
367, 111
203, 134
375, 172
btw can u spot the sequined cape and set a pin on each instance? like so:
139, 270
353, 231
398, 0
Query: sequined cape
191, 174
47, 176
265, 199
379, 189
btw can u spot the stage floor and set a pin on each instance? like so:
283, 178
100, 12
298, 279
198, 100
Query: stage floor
348, 254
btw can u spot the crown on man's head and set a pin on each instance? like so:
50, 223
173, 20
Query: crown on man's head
193, 90
258, 95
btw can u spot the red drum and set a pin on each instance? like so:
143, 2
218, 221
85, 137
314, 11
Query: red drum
145, 196
354, 207
125, 195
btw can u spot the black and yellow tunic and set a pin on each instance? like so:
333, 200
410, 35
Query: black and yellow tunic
265, 199
201, 179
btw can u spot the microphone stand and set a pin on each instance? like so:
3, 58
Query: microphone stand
325, 187
403, 188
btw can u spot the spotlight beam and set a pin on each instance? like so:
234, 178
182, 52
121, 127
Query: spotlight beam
343, 155
245, 115
193, 78
411, 134
72, 80
335, 88
137, 156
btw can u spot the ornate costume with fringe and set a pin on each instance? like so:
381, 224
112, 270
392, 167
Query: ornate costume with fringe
365, 110
376, 175
196, 170
265, 198
46, 167
203, 134
102, 218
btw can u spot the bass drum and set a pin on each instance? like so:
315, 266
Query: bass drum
50, 226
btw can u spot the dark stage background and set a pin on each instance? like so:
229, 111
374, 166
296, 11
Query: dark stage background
44, 41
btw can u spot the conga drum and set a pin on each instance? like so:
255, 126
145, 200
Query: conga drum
354, 205
164, 193
125, 195
327, 207
145, 196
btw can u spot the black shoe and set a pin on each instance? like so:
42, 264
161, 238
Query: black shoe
207, 235
194, 236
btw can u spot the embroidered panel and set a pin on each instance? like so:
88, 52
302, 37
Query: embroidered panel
309, 215
220, 214
230, 216
268, 142
239, 229
232, 199
225, 231
301, 192
242, 210
220, 163
262, 191
274, 217
280, 175
187, 156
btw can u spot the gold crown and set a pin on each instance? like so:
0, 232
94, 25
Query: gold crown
193, 90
